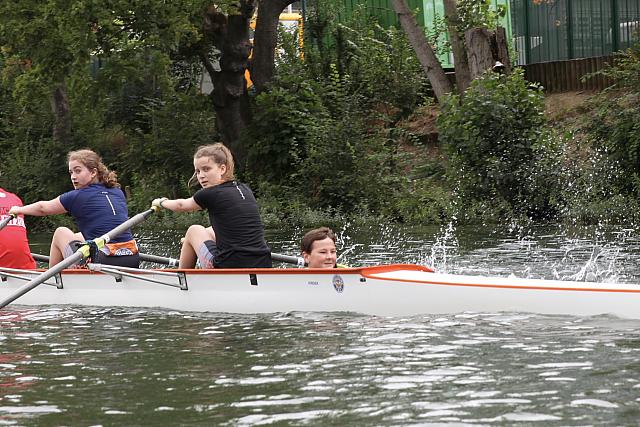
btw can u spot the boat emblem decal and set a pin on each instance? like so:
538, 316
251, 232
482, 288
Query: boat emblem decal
338, 283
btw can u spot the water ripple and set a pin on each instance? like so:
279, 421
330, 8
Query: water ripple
336, 368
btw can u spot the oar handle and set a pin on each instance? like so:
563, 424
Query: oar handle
289, 259
171, 262
40, 258
6, 221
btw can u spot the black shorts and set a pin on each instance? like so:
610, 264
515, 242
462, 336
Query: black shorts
210, 256
131, 261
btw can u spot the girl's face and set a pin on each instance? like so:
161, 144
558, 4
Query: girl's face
81, 176
322, 255
208, 172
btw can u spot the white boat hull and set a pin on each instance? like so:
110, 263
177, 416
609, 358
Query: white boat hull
392, 290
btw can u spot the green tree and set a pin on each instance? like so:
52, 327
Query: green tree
499, 144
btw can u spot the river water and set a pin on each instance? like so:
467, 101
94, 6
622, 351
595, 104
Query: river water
67, 365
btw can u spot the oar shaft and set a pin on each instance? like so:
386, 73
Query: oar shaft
288, 259
6, 221
134, 220
40, 258
73, 259
81, 253
171, 262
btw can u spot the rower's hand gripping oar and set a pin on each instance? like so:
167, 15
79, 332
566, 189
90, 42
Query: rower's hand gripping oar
81, 253
6, 221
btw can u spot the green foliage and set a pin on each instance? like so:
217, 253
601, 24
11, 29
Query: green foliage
32, 163
479, 13
615, 125
423, 201
377, 63
320, 148
324, 140
159, 161
625, 71
330, 148
437, 35
346, 167
127, 96
498, 144
277, 152
591, 188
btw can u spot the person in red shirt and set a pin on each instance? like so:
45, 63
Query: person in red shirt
14, 246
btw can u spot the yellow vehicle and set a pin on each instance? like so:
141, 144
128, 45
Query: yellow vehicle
291, 22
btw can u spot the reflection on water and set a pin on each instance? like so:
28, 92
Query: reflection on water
113, 366
84, 366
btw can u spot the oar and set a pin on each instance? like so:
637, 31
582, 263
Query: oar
39, 257
81, 253
296, 260
5, 221
171, 262
289, 259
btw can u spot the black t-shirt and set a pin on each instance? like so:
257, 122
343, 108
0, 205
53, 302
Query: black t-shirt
235, 218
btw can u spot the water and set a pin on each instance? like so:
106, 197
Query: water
87, 366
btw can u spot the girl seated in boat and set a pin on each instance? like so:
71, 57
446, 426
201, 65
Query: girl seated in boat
97, 204
236, 236
319, 248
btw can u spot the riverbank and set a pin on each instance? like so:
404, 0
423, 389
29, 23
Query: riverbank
425, 196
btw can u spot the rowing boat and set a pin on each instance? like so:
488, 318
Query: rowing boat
386, 290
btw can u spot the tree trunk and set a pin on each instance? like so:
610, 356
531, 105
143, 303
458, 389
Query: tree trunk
62, 114
460, 60
502, 49
230, 35
430, 64
265, 38
485, 49
479, 51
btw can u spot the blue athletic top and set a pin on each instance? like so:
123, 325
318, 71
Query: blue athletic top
97, 210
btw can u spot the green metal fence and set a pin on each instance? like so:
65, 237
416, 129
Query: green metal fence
552, 30
429, 11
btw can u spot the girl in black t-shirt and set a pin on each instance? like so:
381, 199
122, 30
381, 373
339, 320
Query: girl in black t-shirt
236, 236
